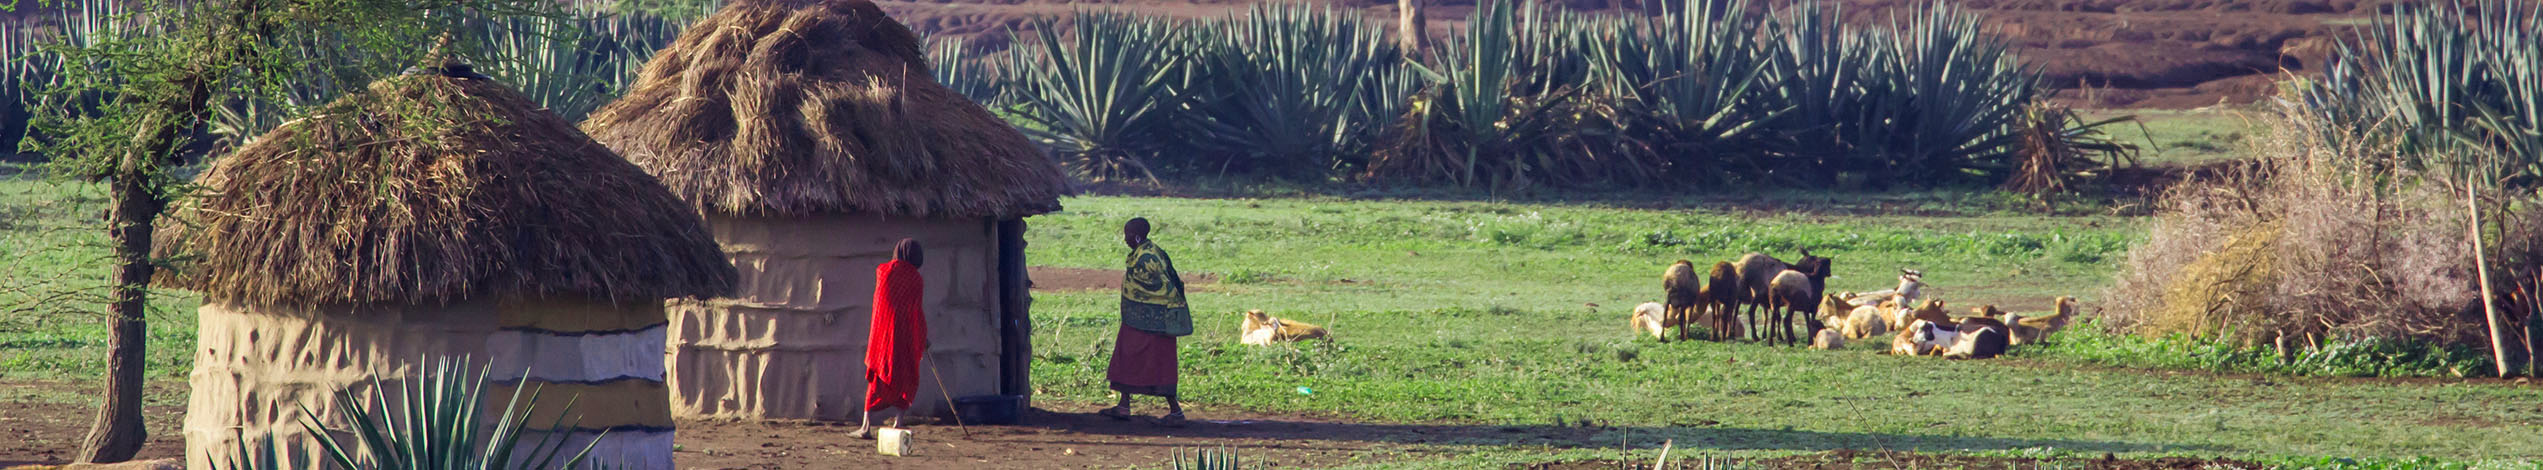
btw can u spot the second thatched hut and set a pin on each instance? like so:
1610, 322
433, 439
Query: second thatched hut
810, 135
433, 216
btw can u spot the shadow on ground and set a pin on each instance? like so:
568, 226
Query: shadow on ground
1685, 437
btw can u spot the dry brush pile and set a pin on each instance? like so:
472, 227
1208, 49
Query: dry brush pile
2356, 222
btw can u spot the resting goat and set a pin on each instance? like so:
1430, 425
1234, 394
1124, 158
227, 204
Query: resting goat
1263, 330
1850, 320
2028, 330
1980, 338
1924, 338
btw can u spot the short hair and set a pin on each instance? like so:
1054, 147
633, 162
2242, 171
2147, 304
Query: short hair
908, 251
1137, 226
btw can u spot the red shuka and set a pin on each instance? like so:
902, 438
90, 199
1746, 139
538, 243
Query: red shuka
898, 337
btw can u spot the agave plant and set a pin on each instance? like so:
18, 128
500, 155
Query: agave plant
1205, 459
435, 425
2454, 87
1478, 124
1955, 97
1100, 96
974, 77
33, 63
1936, 99
1279, 88
1688, 78
1818, 75
571, 61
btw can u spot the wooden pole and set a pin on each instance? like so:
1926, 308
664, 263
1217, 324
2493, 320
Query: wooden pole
2481, 267
1413, 29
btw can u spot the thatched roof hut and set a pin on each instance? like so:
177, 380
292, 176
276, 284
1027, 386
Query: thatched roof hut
812, 137
434, 216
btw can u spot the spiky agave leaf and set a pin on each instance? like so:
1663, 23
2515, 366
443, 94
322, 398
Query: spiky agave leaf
954, 65
434, 422
2454, 87
1686, 81
1279, 88
1099, 96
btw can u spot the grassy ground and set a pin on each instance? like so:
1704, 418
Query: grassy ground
2184, 137
1501, 314
52, 286
1482, 313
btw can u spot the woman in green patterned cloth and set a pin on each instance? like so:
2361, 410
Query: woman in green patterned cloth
1152, 316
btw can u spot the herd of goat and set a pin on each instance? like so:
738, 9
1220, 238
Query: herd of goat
1781, 291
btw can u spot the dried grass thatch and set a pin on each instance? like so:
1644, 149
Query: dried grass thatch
801, 107
429, 189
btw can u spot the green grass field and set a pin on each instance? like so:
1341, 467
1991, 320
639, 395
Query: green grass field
1481, 313
1512, 314
2184, 137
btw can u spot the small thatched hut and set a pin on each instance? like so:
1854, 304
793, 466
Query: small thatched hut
434, 216
811, 136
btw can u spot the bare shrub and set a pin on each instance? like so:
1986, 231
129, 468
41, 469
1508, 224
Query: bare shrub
2317, 241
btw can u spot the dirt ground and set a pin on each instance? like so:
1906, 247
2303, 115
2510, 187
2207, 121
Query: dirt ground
1053, 439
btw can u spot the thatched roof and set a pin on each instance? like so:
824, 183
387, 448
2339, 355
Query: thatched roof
430, 188
800, 107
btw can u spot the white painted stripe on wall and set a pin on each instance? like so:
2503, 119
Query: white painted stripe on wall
577, 358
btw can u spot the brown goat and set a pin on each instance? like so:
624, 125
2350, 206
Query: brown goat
1721, 291
1790, 294
1757, 274
1685, 295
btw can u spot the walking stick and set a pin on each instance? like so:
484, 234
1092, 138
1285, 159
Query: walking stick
949, 400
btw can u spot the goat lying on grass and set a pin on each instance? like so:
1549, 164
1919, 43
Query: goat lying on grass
1263, 330
1980, 338
1850, 320
1827, 339
2029, 330
1924, 338
1652, 318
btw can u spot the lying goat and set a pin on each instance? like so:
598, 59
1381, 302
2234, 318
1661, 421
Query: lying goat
2028, 330
1850, 320
1263, 330
1924, 338
1980, 338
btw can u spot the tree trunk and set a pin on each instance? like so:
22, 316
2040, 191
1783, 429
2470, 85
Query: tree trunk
118, 432
1412, 29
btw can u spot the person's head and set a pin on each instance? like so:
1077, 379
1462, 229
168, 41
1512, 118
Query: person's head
908, 251
1135, 232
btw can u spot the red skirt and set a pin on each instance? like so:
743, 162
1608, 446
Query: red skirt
1143, 363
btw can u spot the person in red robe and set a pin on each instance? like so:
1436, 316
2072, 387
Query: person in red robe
897, 339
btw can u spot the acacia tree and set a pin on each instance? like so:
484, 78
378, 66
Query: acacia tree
125, 108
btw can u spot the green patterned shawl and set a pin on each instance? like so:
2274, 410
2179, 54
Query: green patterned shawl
1152, 293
